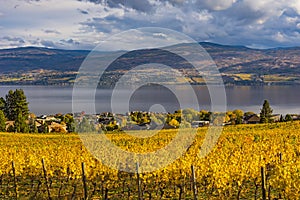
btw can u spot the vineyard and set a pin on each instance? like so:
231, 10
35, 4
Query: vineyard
58, 166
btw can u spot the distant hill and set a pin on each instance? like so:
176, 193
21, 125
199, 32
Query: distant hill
33, 58
240, 59
239, 65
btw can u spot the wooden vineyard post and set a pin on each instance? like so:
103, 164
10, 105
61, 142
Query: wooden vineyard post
84, 182
138, 181
263, 183
15, 178
46, 179
194, 185
280, 156
280, 160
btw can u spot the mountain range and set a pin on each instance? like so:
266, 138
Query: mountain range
238, 65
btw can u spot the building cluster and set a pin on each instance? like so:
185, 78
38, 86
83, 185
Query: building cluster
137, 120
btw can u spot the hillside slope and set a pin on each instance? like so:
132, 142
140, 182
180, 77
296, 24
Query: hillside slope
239, 65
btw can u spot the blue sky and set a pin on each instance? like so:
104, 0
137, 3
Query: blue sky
82, 24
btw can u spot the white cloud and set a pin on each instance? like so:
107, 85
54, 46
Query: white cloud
266, 23
280, 37
48, 31
216, 4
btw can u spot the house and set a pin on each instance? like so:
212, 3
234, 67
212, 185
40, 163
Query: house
38, 123
275, 117
44, 118
295, 117
133, 127
56, 127
49, 124
168, 126
252, 119
196, 124
9, 124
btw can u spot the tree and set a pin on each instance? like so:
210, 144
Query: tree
71, 126
230, 117
85, 126
112, 126
9, 108
190, 114
10, 129
185, 124
2, 103
205, 115
32, 123
44, 128
266, 112
239, 116
58, 129
188, 117
32, 126
20, 125
174, 123
15, 104
281, 119
248, 114
218, 118
2, 122
288, 118
155, 120
69, 120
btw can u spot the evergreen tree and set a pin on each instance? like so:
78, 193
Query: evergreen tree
69, 120
266, 113
15, 104
2, 103
20, 125
71, 127
32, 126
10, 129
44, 128
288, 118
2, 122
281, 119
9, 108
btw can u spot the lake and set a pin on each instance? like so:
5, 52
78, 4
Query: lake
55, 99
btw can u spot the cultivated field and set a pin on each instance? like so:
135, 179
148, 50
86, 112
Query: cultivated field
231, 171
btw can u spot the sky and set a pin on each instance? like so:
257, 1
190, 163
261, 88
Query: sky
82, 24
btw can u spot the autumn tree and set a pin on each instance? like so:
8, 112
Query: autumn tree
205, 115
190, 114
230, 117
238, 116
174, 123
85, 126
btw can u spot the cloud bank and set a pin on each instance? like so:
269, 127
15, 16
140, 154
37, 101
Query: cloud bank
82, 24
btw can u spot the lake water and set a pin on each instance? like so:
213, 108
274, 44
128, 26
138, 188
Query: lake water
51, 100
